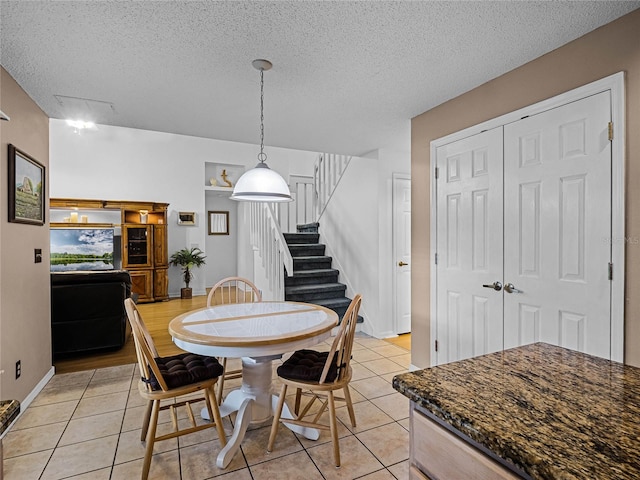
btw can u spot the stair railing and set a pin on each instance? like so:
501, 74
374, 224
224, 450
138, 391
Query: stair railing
302, 209
327, 173
266, 235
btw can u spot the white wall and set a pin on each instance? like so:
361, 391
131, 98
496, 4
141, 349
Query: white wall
221, 250
389, 162
357, 229
116, 163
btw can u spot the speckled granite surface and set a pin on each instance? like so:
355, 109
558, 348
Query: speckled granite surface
552, 412
9, 410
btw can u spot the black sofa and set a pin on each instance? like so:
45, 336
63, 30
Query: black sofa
87, 311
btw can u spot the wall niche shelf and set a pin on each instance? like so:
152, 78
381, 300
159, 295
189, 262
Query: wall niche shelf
143, 232
219, 190
81, 225
213, 170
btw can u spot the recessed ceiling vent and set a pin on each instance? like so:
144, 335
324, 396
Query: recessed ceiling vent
85, 108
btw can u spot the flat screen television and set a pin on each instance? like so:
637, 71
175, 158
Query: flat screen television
82, 249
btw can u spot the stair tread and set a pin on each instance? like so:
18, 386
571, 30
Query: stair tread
314, 271
313, 257
318, 286
333, 302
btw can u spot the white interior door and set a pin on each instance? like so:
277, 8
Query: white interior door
557, 198
469, 245
402, 252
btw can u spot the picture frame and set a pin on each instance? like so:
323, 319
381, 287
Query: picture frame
186, 218
26, 188
218, 222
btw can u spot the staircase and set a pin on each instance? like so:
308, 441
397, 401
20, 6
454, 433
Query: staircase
313, 280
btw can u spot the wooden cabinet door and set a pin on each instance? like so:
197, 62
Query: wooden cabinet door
161, 284
438, 453
136, 246
142, 284
160, 254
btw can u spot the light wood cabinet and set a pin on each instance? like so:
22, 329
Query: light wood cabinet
161, 284
439, 454
142, 284
144, 240
137, 241
160, 250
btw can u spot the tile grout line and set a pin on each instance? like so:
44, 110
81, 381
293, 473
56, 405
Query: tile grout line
393, 414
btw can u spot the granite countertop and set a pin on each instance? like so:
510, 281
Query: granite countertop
9, 410
553, 413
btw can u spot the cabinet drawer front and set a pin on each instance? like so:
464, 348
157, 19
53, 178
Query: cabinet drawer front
442, 455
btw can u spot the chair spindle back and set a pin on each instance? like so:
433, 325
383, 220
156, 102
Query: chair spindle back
343, 342
145, 349
233, 290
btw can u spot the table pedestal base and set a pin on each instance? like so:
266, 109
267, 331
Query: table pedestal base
255, 405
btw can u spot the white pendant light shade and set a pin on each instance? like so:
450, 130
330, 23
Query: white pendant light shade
261, 184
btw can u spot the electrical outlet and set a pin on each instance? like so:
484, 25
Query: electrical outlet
18, 369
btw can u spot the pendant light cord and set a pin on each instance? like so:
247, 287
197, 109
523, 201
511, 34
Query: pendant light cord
262, 156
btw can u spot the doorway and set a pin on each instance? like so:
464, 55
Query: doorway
402, 253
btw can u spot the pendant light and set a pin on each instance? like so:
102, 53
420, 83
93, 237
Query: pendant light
261, 184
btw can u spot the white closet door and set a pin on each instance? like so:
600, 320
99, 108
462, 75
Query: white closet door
469, 245
557, 206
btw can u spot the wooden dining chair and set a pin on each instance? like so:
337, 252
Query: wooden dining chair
166, 378
317, 375
231, 290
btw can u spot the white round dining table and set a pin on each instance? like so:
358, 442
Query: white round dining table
259, 333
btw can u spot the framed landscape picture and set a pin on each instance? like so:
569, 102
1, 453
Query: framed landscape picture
26, 188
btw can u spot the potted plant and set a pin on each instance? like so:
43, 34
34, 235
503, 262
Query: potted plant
187, 259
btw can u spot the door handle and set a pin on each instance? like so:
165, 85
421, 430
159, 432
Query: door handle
497, 286
510, 288
402, 264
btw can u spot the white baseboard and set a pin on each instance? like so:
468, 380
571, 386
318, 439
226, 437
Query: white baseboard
36, 390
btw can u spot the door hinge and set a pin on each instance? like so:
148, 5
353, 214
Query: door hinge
436, 258
437, 173
610, 131
610, 271
436, 345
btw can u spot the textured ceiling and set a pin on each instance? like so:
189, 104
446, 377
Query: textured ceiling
347, 76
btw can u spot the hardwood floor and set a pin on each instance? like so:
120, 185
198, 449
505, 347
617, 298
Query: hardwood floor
157, 316
403, 341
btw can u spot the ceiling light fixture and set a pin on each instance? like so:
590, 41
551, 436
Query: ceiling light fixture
261, 184
80, 125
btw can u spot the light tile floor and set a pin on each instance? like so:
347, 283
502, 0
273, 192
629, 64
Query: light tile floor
86, 425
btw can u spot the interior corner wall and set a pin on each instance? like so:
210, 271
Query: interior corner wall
25, 318
610, 49
349, 227
360, 237
118, 163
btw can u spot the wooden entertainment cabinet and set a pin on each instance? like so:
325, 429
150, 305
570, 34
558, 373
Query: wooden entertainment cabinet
144, 239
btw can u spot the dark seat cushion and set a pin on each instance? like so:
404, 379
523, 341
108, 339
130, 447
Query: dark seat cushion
185, 369
307, 366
